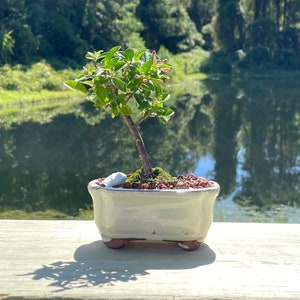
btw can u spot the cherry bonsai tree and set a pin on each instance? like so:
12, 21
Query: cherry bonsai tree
128, 83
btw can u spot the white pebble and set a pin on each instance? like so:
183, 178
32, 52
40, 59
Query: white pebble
114, 179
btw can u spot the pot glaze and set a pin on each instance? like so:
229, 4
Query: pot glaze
164, 215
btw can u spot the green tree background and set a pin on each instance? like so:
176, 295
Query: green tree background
238, 33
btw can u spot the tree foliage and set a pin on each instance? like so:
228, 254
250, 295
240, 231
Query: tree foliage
124, 82
168, 23
61, 30
229, 26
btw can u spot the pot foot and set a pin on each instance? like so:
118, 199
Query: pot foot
115, 243
189, 245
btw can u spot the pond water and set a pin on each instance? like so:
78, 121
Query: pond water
245, 134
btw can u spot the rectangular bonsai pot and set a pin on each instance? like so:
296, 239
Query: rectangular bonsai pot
165, 215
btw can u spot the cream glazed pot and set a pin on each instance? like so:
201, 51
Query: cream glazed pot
183, 216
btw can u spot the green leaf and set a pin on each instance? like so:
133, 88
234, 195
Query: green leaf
134, 84
165, 115
138, 55
165, 96
89, 55
94, 55
129, 53
119, 84
146, 66
102, 94
110, 54
158, 89
92, 97
113, 62
168, 112
76, 86
100, 79
114, 109
121, 98
141, 101
125, 109
119, 65
138, 98
148, 85
164, 119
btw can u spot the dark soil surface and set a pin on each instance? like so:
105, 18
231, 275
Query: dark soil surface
181, 182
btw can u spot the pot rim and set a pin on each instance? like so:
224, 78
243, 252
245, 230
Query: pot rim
93, 185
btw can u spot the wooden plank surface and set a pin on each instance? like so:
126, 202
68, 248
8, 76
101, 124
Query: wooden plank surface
66, 259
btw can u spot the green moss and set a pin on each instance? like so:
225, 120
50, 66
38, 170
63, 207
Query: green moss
159, 175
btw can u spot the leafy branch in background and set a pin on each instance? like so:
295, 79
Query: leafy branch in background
7, 46
123, 82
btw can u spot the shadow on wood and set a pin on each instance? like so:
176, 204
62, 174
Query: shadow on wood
96, 265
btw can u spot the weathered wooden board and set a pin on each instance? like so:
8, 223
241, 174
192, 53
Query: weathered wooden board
65, 259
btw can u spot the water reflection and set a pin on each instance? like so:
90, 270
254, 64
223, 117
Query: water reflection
272, 144
245, 133
260, 119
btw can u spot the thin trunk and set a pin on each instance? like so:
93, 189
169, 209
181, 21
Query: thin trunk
264, 9
285, 13
278, 14
257, 4
139, 142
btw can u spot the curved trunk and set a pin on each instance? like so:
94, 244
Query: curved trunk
139, 142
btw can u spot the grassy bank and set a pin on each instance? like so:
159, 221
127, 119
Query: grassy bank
37, 77
49, 214
34, 93
17, 107
225, 211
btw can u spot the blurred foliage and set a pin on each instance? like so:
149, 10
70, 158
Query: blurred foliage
60, 31
228, 26
171, 23
41, 107
39, 76
185, 65
35, 93
48, 214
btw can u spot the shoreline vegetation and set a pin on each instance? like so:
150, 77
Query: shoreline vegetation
34, 93
38, 107
224, 212
38, 89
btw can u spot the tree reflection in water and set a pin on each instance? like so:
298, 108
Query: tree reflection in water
262, 119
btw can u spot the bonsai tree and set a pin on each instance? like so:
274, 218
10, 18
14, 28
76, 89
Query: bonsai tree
127, 83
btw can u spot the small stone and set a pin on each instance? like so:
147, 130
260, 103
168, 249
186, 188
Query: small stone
114, 179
